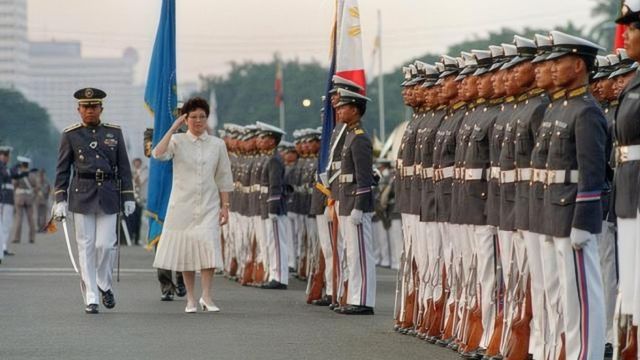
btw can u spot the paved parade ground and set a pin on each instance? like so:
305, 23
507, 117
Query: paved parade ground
42, 317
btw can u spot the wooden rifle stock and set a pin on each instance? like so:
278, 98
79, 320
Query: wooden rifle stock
631, 349
437, 319
317, 281
518, 347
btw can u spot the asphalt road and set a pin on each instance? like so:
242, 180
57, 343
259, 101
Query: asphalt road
42, 317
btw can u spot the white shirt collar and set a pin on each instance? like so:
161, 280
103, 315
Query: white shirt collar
193, 138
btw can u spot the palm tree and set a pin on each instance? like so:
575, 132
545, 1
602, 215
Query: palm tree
604, 31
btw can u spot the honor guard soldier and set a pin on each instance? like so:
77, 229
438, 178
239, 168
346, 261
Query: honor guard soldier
572, 207
356, 205
96, 153
6, 200
26, 186
274, 206
627, 188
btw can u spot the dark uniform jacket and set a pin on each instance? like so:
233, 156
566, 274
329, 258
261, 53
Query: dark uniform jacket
318, 199
444, 159
416, 180
539, 155
275, 201
608, 210
527, 126
335, 149
627, 133
235, 172
427, 144
356, 178
577, 143
292, 179
495, 149
458, 212
404, 163
477, 156
97, 155
6, 185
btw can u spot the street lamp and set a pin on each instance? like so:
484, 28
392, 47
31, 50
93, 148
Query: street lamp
306, 102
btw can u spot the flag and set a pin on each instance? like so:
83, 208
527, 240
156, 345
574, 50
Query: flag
328, 115
349, 61
277, 87
161, 99
618, 41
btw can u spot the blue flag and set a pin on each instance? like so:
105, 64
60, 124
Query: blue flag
161, 98
328, 113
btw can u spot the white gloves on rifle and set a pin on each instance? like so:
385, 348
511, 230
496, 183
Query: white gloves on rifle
60, 210
579, 238
272, 216
129, 207
356, 217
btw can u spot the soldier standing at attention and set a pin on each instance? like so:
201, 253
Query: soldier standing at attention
356, 206
97, 154
25, 189
573, 211
6, 200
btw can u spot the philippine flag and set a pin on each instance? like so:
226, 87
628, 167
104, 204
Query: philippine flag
349, 61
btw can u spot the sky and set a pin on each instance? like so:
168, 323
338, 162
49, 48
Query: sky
213, 33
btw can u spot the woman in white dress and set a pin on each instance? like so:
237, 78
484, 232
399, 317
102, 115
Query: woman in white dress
198, 204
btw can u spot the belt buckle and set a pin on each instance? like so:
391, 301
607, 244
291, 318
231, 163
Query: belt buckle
623, 154
99, 176
551, 177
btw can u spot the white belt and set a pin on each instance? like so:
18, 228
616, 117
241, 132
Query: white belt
495, 172
408, 170
24, 191
627, 153
335, 165
7, 187
444, 173
507, 176
540, 175
254, 187
427, 173
418, 169
524, 174
474, 174
345, 178
458, 172
264, 189
560, 177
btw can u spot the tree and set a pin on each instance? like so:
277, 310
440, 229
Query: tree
26, 127
604, 31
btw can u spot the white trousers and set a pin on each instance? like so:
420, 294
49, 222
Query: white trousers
292, 228
381, 244
324, 238
553, 297
533, 244
435, 262
607, 250
277, 251
312, 248
395, 243
583, 299
245, 230
343, 271
6, 221
486, 278
358, 242
421, 256
96, 238
627, 247
259, 231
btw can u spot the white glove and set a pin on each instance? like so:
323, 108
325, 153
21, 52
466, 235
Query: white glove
356, 217
272, 216
579, 238
60, 210
129, 207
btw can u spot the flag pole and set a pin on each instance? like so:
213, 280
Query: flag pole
380, 79
282, 115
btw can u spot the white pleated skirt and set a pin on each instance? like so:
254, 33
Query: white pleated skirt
189, 249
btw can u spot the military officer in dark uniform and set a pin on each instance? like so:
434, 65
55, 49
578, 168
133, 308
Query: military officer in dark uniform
356, 205
6, 199
627, 188
96, 153
572, 207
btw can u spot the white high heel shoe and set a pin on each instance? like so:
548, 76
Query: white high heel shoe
208, 307
191, 309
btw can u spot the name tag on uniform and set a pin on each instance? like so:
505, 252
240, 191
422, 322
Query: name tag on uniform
546, 124
561, 124
634, 95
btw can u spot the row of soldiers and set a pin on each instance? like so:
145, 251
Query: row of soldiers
24, 195
503, 180
307, 239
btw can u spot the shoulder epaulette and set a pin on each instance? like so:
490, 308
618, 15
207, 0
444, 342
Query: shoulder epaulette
359, 131
72, 127
111, 125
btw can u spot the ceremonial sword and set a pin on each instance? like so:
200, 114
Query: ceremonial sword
66, 237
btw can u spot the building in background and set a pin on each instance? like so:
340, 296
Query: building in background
13, 45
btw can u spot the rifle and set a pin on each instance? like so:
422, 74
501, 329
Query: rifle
437, 317
473, 332
119, 220
518, 346
631, 349
399, 298
333, 233
493, 348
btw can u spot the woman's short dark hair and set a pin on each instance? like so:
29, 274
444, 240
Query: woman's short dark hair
195, 103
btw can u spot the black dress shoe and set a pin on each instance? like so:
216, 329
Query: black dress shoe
333, 306
274, 285
181, 291
323, 301
166, 296
355, 310
444, 342
91, 309
8, 253
608, 350
108, 300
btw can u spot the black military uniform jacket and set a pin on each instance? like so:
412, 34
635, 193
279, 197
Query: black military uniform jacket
404, 165
415, 200
98, 155
307, 178
336, 144
578, 143
495, 148
318, 199
477, 156
427, 144
292, 179
608, 210
275, 201
235, 173
356, 178
527, 125
256, 193
539, 155
250, 176
627, 133
444, 159
6, 184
